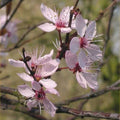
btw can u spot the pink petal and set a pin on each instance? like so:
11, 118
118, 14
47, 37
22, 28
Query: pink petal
65, 14
25, 77
94, 52
26, 91
52, 91
48, 83
49, 107
82, 58
81, 79
50, 68
91, 30
31, 104
80, 25
66, 30
75, 45
47, 27
49, 13
91, 79
16, 63
36, 85
13, 38
71, 59
45, 58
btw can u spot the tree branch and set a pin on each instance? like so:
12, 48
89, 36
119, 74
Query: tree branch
92, 95
14, 105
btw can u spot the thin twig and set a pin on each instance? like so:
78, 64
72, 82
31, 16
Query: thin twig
108, 29
102, 13
5, 3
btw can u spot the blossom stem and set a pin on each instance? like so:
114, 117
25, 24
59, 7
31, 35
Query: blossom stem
62, 68
60, 38
24, 60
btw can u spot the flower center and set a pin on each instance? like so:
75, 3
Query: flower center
37, 78
77, 68
34, 67
40, 95
60, 24
83, 42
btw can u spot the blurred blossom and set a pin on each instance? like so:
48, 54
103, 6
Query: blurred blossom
8, 34
115, 37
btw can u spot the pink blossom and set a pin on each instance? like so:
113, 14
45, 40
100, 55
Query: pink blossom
37, 96
84, 42
47, 66
60, 23
8, 34
80, 66
47, 83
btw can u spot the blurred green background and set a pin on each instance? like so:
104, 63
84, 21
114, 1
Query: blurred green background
29, 14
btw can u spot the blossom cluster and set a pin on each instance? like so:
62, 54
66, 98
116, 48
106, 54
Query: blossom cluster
79, 56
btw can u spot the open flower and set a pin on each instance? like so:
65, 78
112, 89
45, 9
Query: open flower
47, 83
60, 23
46, 64
84, 42
80, 66
8, 34
37, 96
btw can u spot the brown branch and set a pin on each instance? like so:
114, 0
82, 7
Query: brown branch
14, 105
79, 108
8, 90
92, 95
82, 114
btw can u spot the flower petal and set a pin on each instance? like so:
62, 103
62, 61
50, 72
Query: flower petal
36, 85
75, 45
52, 91
82, 58
94, 52
25, 77
91, 79
48, 83
49, 13
26, 91
80, 25
71, 59
45, 58
91, 30
65, 14
81, 79
66, 30
16, 63
31, 104
49, 107
50, 68
47, 27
